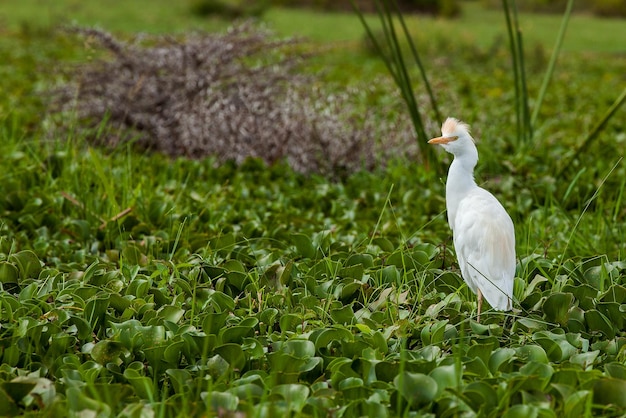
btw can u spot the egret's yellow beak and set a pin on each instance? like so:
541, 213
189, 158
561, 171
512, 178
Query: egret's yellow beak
443, 139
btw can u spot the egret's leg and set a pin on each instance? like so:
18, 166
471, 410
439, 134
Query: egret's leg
480, 303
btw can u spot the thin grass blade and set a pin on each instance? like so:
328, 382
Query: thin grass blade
523, 99
552, 63
401, 68
514, 49
375, 43
527, 130
418, 62
579, 219
596, 130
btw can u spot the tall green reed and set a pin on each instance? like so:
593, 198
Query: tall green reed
390, 49
552, 63
522, 113
525, 121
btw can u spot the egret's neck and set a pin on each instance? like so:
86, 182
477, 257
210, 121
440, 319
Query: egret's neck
460, 182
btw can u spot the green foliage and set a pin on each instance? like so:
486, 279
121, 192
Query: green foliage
133, 284
609, 8
259, 290
229, 9
445, 8
537, 6
604, 8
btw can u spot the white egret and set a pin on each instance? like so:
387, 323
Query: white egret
483, 233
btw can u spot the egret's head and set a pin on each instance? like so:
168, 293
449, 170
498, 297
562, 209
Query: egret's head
455, 137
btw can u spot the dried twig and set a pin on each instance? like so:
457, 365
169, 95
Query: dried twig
116, 217
81, 205
234, 95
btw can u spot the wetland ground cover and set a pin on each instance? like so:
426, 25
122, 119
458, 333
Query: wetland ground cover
137, 285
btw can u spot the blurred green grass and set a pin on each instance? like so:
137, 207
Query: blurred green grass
476, 25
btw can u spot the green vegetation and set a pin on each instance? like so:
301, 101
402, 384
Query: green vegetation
476, 26
137, 285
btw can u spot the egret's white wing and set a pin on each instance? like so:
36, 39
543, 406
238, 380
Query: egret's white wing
484, 241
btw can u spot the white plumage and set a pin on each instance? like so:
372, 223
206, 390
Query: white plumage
484, 236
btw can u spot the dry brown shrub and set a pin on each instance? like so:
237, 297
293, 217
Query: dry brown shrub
234, 95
